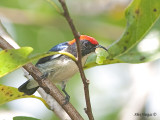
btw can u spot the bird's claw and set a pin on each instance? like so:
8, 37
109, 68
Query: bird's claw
66, 100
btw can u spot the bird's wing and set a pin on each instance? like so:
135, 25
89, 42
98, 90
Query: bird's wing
58, 47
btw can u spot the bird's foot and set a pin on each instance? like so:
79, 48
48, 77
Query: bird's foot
66, 100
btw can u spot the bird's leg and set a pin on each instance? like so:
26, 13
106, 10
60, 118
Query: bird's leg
67, 96
47, 73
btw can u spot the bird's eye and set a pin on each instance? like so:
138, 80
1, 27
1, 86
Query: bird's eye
85, 44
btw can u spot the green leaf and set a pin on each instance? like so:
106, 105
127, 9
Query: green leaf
141, 15
14, 58
24, 118
8, 94
136, 56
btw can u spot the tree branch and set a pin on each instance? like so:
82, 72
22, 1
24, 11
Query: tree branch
88, 110
46, 84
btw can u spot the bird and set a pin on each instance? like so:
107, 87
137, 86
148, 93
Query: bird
60, 68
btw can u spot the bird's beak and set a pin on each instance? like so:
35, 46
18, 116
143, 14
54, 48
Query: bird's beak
99, 46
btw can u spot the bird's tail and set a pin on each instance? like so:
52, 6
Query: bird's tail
29, 87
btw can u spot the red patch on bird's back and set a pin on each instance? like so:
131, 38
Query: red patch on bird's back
85, 37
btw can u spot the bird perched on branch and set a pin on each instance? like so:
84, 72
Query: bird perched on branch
59, 68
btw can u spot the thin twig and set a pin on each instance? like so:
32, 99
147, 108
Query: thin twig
45, 83
88, 110
54, 5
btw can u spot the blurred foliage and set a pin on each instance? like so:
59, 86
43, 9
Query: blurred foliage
38, 25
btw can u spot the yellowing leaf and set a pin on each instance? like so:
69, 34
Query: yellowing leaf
8, 94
